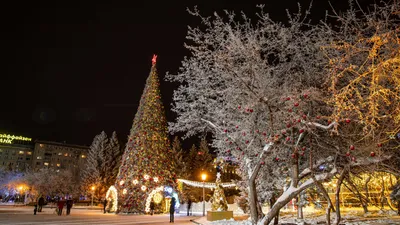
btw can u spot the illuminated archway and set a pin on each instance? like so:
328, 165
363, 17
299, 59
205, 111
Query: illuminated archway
151, 195
112, 199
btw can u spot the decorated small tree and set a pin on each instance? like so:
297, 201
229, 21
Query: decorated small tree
147, 163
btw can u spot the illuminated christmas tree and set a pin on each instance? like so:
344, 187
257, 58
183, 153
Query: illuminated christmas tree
147, 163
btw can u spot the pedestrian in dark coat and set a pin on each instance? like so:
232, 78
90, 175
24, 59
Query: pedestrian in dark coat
152, 206
40, 203
69, 205
189, 207
172, 210
104, 205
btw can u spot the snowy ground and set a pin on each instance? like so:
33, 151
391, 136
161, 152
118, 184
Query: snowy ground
352, 216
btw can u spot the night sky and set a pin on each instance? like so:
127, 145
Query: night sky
71, 70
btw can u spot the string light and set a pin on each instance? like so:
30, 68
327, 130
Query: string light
143, 188
121, 182
206, 184
135, 181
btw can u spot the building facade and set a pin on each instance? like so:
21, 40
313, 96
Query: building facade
19, 153
58, 156
15, 152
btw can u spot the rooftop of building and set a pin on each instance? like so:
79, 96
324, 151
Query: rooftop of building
61, 144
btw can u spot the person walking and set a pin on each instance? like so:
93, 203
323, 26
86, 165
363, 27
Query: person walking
152, 206
40, 203
104, 205
189, 207
60, 206
172, 210
69, 205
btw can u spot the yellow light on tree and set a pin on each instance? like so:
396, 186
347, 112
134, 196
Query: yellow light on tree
135, 181
146, 177
143, 188
124, 191
155, 179
121, 182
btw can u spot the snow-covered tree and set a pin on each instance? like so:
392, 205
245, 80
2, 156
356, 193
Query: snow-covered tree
49, 181
102, 164
180, 163
254, 88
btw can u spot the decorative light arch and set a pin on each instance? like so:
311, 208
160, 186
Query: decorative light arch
112, 194
152, 193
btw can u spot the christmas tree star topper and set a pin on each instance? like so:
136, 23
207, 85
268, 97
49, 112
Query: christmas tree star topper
154, 59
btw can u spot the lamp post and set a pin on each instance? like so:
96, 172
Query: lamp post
92, 194
203, 178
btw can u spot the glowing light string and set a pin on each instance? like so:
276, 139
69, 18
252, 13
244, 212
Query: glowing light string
206, 184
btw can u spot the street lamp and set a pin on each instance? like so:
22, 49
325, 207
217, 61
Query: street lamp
203, 178
93, 187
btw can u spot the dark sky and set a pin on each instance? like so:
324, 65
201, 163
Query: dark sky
71, 70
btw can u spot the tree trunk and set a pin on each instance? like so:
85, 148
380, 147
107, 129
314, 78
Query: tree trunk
337, 196
367, 190
271, 203
299, 209
328, 199
358, 194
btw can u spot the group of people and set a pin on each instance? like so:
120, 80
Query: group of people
60, 205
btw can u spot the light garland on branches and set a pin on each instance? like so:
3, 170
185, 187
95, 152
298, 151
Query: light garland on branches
206, 184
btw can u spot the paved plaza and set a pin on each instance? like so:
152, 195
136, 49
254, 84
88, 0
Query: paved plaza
24, 216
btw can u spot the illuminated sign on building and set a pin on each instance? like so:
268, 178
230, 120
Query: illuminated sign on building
8, 139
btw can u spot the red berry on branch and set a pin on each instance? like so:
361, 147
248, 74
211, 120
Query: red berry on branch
251, 110
372, 154
225, 130
304, 116
301, 131
288, 98
265, 134
293, 155
288, 125
244, 133
287, 138
290, 110
380, 145
353, 159
237, 126
352, 147
247, 141
239, 107
299, 120
305, 95
277, 159
262, 163
284, 132
296, 104
348, 120
303, 148
318, 117
302, 153
257, 131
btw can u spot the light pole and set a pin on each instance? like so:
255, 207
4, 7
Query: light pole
203, 178
92, 194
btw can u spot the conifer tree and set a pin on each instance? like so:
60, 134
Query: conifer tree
94, 171
147, 162
181, 165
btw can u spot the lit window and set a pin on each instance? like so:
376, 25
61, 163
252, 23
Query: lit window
39, 157
83, 156
41, 145
29, 153
66, 154
58, 164
21, 152
46, 163
60, 153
